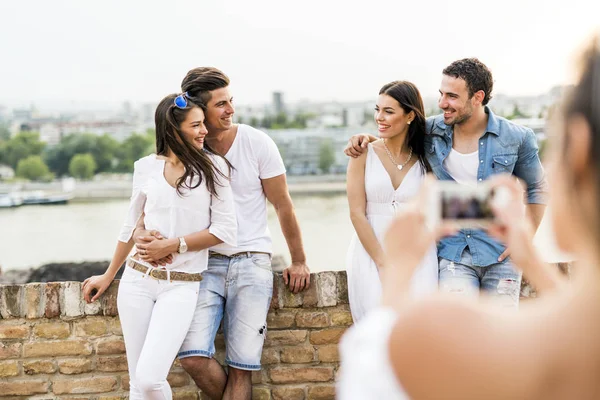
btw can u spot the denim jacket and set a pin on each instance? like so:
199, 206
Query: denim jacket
504, 148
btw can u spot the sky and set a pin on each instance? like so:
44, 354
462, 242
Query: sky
91, 52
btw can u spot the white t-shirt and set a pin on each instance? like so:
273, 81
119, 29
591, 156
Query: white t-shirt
463, 167
254, 156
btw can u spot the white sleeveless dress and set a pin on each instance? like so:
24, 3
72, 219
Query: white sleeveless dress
364, 286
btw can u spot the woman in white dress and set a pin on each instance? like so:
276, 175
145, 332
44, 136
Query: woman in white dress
379, 183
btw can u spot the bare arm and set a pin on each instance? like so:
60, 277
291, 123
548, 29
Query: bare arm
357, 202
297, 275
471, 354
535, 213
358, 143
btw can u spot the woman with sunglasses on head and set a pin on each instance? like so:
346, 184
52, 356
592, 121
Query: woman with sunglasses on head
184, 194
446, 349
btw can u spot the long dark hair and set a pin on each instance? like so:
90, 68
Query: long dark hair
168, 118
584, 100
409, 98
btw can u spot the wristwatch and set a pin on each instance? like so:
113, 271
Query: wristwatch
182, 246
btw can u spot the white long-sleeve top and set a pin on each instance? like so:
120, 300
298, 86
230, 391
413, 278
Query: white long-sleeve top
174, 216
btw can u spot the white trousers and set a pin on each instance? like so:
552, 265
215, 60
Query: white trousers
155, 317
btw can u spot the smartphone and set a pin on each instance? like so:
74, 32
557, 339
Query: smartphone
464, 206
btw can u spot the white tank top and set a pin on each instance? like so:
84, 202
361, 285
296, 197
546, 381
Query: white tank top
463, 167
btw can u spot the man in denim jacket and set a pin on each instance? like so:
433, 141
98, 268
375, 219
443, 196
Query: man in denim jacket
468, 143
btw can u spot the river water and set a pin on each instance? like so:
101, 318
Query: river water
34, 235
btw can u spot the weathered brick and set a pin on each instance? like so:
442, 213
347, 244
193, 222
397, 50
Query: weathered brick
62, 348
297, 355
114, 326
109, 299
52, 330
311, 295
125, 382
280, 319
276, 300
10, 350
321, 392
288, 393
301, 375
312, 319
94, 308
341, 318
39, 367
261, 393
328, 353
327, 289
71, 299
51, 300
14, 331
9, 368
90, 326
33, 300
285, 338
342, 287
124, 397
11, 303
98, 384
23, 388
111, 364
186, 395
178, 379
74, 366
110, 346
327, 336
269, 356
291, 300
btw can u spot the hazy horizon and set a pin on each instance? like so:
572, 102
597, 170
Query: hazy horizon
105, 53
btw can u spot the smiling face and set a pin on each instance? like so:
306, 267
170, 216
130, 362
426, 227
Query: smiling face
455, 101
193, 128
219, 110
390, 117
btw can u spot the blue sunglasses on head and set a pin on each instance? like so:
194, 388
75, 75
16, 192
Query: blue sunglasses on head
181, 100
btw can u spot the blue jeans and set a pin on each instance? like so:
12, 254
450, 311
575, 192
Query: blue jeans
238, 290
500, 281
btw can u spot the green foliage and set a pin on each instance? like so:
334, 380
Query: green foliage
21, 146
4, 132
33, 168
326, 156
133, 148
282, 121
102, 148
517, 113
82, 166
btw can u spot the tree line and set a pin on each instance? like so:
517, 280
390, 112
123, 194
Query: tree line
80, 155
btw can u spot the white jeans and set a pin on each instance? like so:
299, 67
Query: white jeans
155, 317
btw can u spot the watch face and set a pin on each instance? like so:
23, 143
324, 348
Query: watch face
182, 245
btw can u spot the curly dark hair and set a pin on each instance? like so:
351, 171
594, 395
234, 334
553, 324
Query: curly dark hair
475, 73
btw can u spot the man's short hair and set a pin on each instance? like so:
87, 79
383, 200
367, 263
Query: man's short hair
199, 82
475, 74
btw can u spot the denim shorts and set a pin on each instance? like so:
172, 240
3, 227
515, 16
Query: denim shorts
501, 281
237, 290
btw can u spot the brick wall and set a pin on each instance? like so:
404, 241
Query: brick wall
55, 346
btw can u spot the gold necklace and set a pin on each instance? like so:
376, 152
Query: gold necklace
399, 166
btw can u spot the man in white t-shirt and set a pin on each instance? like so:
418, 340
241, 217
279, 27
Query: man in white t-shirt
238, 285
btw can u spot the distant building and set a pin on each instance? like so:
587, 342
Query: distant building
278, 105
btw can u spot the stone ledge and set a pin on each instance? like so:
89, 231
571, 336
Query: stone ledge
64, 300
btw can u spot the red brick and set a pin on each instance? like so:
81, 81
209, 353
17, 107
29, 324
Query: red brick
10, 350
52, 294
14, 331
